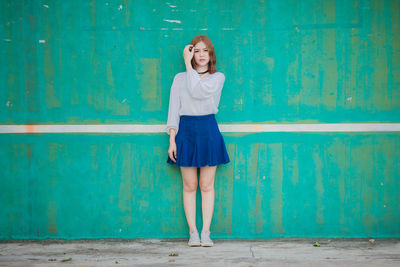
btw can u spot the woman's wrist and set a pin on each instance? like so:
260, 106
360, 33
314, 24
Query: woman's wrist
188, 65
172, 134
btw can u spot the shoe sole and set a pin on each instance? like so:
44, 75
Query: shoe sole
194, 244
207, 245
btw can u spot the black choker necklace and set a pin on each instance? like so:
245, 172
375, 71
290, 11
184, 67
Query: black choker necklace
202, 72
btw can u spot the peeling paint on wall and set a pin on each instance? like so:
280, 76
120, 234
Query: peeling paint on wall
308, 113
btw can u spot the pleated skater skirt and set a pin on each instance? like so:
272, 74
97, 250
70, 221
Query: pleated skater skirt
199, 142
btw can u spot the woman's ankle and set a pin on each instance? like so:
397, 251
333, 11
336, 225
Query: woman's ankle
191, 229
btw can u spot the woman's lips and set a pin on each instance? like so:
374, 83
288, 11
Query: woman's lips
202, 59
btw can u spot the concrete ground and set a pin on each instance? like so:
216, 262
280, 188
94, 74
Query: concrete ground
175, 252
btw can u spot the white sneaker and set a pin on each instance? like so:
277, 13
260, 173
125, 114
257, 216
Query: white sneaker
194, 240
206, 240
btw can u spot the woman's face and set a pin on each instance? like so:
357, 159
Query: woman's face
201, 56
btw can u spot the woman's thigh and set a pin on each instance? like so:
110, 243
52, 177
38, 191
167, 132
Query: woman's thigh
189, 177
207, 175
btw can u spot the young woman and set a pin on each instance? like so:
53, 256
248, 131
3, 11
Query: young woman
195, 139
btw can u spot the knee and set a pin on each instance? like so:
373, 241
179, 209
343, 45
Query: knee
206, 187
190, 187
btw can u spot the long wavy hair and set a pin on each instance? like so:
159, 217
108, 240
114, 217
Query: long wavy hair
212, 64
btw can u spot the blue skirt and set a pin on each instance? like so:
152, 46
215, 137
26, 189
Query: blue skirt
199, 142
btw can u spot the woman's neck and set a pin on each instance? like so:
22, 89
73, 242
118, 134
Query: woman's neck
202, 69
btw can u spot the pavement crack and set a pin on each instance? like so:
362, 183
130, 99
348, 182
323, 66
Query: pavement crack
251, 251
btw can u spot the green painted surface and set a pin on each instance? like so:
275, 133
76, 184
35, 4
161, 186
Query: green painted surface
278, 185
284, 61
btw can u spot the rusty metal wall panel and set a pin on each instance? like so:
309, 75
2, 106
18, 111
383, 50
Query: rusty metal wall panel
107, 62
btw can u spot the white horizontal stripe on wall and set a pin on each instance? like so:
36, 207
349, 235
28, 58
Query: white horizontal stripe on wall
237, 128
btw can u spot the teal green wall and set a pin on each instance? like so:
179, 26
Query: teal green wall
284, 61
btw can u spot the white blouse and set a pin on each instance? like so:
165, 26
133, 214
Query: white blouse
192, 95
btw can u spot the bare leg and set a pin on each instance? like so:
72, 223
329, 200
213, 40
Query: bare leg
189, 176
207, 174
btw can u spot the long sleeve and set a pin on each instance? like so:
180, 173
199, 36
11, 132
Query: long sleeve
204, 88
174, 106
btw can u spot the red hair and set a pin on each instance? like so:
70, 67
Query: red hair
212, 64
